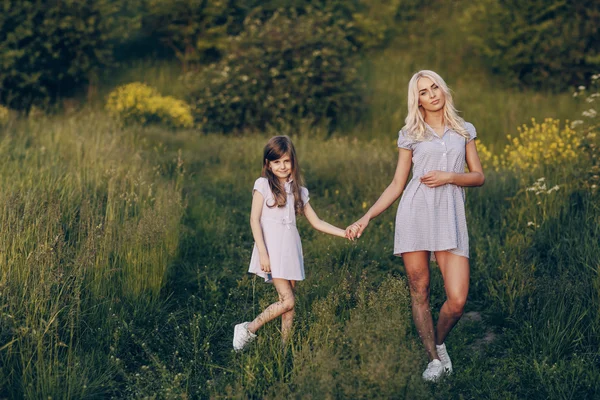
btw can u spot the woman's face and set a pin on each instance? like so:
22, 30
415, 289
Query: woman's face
431, 97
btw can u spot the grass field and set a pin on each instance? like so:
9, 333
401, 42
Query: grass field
124, 251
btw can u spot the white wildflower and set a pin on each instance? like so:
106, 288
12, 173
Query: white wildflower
581, 87
591, 113
553, 189
576, 123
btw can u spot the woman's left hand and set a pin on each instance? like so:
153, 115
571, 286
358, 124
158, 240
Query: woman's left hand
436, 178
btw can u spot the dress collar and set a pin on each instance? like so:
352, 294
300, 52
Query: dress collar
446, 129
287, 186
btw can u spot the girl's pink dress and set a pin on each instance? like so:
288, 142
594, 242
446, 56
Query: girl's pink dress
280, 234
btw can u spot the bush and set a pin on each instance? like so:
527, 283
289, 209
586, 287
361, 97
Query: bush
139, 103
193, 28
544, 44
49, 48
373, 23
279, 72
197, 31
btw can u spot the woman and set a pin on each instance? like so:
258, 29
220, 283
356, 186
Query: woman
430, 222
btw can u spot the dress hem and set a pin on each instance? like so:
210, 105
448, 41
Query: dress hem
264, 276
432, 257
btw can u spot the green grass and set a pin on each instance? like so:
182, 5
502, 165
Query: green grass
87, 227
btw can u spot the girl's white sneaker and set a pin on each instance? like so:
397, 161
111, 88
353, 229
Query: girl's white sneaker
434, 371
242, 336
444, 357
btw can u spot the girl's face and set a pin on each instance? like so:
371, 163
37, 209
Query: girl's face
281, 168
431, 97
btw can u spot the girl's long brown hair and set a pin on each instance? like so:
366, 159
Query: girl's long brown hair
277, 147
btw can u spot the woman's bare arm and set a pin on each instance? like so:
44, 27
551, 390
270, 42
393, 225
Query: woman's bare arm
474, 177
389, 195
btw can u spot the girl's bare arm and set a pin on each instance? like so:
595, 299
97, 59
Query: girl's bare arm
321, 225
255, 213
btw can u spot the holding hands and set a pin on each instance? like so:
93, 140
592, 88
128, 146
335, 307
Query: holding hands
355, 230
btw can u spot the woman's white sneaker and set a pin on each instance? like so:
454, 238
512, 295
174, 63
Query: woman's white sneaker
444, 357
434, 371
242, 336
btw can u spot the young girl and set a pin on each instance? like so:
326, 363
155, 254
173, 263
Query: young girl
431, 215
277, 255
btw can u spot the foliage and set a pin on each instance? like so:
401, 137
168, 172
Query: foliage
49, 48
140, 103
191, 28
374, 23
197, 30
367, 24
279, 72
543, 44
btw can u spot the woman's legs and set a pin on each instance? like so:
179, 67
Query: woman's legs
455, 271
287, 318
416, 264
286, 303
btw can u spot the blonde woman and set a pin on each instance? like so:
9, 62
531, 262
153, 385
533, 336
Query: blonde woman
431, 223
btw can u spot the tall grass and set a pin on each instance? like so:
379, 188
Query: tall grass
86, 226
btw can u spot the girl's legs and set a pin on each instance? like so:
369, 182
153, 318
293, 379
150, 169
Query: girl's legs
286, 302
455, 271
416, 264
287, 319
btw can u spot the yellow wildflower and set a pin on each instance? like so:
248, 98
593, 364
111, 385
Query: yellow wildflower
137, 102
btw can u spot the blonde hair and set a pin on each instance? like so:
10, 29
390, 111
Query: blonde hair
415, 127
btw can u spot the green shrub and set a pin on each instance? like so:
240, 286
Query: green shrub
544, 44
49, 48
140, 103
279, 72
196, 31
192, 28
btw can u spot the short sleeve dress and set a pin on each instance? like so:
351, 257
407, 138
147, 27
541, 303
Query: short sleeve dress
433, 219
280, 234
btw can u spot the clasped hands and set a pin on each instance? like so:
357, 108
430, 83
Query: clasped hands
431, 179
356, 229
